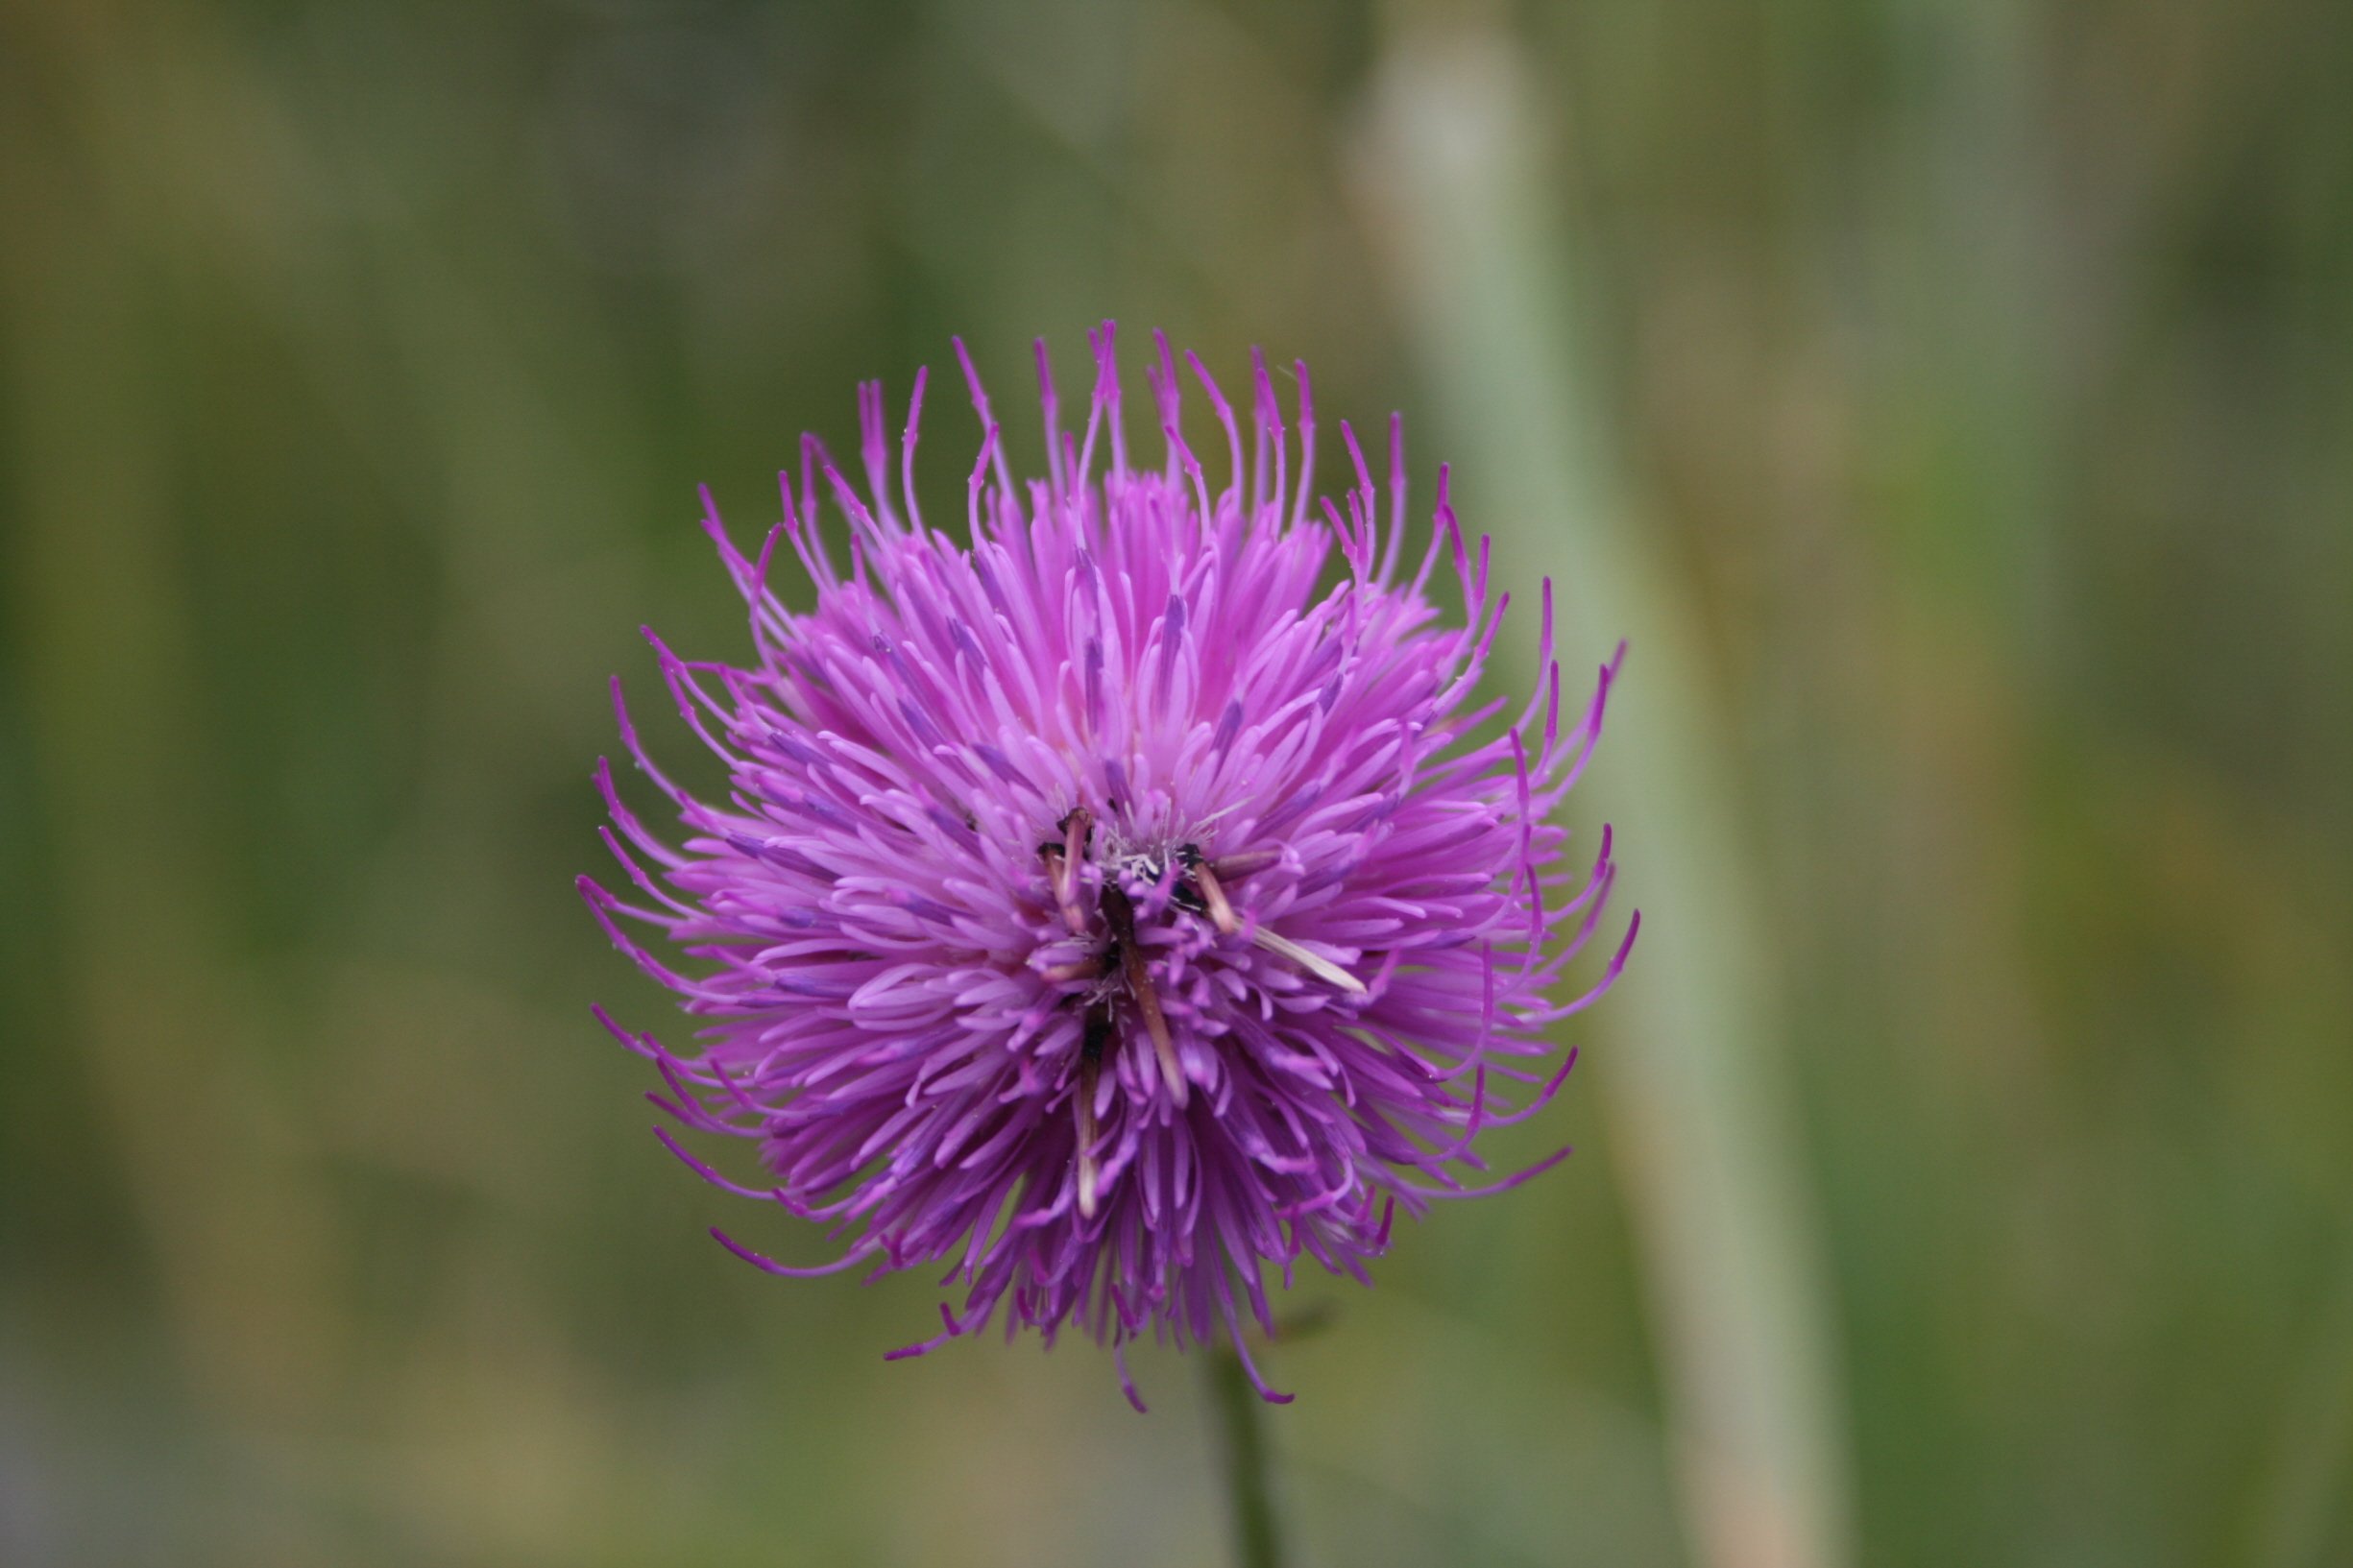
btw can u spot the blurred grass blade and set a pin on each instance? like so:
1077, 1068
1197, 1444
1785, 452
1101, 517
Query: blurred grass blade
1695, 1082
208, 1147
2303, 1492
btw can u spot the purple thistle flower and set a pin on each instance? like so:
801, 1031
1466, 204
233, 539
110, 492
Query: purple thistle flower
1113, 904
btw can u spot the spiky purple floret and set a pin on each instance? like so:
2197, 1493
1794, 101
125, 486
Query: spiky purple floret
1104, 906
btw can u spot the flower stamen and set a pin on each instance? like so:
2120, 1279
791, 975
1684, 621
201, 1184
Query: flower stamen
1090, 1069
1316, 964
1062, 869
1121, 914
1206, 886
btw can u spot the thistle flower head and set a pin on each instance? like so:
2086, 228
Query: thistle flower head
1126, 896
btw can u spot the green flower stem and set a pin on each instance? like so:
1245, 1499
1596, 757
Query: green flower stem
1235, 1408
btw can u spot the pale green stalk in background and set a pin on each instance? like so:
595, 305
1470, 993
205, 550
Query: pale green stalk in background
1695, 1079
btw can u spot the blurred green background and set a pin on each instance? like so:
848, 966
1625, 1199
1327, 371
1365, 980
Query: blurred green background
1952, 399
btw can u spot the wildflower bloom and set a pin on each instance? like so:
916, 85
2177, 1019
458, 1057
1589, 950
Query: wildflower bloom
1122, 898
